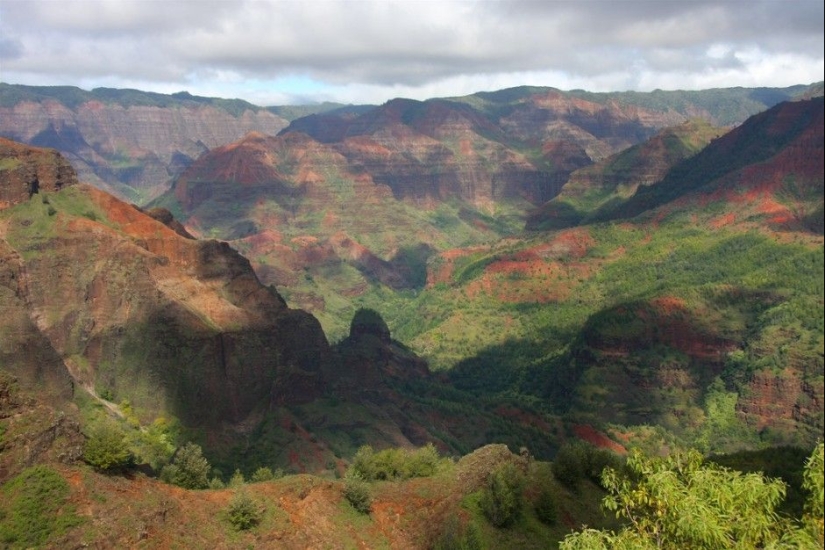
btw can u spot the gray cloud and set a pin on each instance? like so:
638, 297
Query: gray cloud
419, 48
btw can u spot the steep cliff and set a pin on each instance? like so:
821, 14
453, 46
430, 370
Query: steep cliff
134, 308
771, 164
127, 142
100, 300
620, 175
26, 171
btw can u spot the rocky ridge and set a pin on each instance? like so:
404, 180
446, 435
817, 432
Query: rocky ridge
126, 142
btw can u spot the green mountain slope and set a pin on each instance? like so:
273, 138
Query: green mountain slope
703, 316
594, 188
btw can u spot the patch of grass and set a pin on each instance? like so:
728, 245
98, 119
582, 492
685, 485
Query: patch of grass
35, 509
9, 163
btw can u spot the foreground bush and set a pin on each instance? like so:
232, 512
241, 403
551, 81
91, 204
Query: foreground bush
392, 464
502, 499
107, 449
357, 492
188, 469
681, 503
34, 507
243, 512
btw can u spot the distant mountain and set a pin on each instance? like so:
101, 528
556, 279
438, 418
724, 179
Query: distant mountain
133, 143
127, 142
619, 176
772, 154
101, 301
692, 304
344, 201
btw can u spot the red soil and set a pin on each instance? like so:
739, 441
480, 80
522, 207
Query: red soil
587, 433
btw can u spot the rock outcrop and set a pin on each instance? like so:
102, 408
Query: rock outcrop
25, 171
132, 307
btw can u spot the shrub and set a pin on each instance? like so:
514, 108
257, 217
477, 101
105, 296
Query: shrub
577, 461
188, 469
106, 449
357, 492
569, 465
457, 536
243, 512
682, 502
502, 499
237, 479
545, 508
392, 464
262, 474
421, 462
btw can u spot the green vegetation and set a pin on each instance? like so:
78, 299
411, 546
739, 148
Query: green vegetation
243, 512
761, 293
107, 448
579, 461
264, 474
502, 499
72, 97
357, 492
292, 112
34, 508
189, 468
395, 463
726, 105
392, 464
458, 536
681, 502
545, 507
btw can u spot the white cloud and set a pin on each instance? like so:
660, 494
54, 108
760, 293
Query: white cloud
372, 50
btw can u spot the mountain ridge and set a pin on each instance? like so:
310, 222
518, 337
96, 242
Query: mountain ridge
697, 322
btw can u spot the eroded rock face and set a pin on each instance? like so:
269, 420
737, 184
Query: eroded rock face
136, 309
784, 403
434, 151
119, 147
25, 171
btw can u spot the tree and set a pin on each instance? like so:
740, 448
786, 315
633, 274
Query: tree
502, 499
545, 507
811, 530
679, 502
188, 469
243, 512
106, 449
262, 474
357, 492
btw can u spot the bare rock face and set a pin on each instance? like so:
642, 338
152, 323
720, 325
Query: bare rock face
131, 146
25, 171
370, 358
131, 306
601, 128
432, 151
783, 403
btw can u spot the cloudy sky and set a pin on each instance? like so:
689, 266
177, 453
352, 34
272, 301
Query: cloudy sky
274, 52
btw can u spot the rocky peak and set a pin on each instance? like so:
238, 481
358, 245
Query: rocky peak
26, 171
369, 322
